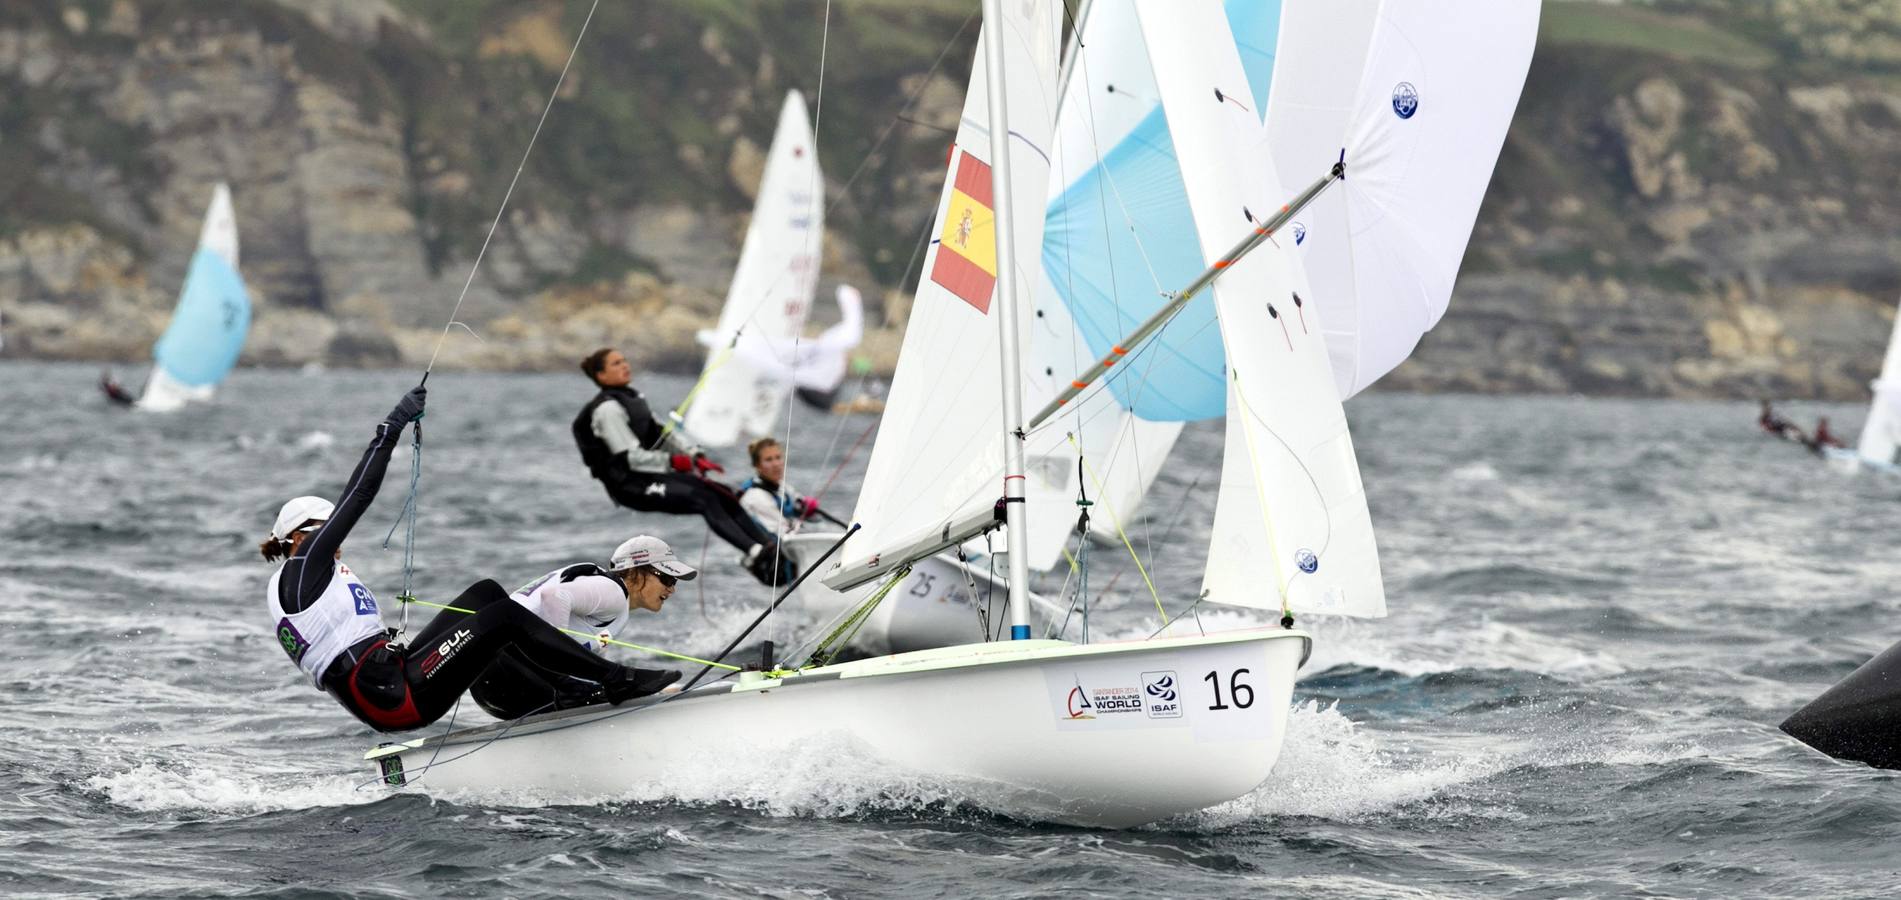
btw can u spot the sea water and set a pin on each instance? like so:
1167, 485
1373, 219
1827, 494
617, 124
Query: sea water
1600, 609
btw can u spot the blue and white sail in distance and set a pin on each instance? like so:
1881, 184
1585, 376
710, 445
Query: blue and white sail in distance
1121, 233
207, 331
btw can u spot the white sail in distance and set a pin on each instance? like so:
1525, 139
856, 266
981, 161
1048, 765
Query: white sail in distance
1416, 98
939, 451
771, 292
1291, 530
1881, 434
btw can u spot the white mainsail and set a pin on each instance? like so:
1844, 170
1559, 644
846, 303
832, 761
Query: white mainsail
939, 451
1416, 98
1882, 432
771, 291
1291, 529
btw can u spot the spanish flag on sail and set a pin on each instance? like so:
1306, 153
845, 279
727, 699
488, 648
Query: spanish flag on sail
967, 247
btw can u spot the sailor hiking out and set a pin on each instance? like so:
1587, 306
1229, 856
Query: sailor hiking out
327, 622
592, 604
647, 467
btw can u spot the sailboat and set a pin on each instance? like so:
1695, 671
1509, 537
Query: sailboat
1881, 433
1105, 734
771, 293
207, 330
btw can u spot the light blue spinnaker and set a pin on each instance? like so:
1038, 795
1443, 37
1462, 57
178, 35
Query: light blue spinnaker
209, 325
1122, 233
207, 331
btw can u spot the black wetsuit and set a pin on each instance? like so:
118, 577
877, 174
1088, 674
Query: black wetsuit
514, 686
395, 689
677, 493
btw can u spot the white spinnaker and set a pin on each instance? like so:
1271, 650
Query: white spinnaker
1421, 121
1291, 524
1882, 432
772, 287
939, 450
816, 363
1110, 91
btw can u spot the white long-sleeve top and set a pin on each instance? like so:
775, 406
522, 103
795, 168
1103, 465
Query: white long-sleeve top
595, 605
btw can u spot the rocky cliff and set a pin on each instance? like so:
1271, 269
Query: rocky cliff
1696, 198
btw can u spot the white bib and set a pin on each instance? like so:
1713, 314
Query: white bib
343, 615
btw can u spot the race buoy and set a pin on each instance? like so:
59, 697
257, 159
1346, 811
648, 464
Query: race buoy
1860, 717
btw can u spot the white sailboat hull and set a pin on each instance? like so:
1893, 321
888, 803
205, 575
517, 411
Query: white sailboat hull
1103, 735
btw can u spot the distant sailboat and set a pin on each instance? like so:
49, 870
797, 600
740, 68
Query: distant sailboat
207, 331
771, 292
1881, 435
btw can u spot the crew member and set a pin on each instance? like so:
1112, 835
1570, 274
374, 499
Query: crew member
326, 618
1823, 437
766, 497
592, 604
1773, 422
649, 468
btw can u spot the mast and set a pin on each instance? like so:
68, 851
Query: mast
1015, 515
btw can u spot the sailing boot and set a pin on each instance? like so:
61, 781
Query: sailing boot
629, 683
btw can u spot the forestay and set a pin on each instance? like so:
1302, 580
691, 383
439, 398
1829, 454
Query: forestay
939, 451
772, 287
208, 326
1418, 97
1291, 507
1882, 433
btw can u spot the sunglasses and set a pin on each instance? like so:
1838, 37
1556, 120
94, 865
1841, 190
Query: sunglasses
665, 579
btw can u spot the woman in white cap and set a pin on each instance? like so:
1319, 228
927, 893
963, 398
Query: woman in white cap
592, 604
327, 622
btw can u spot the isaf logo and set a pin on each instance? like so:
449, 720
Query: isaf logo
1306, 560
1161, 697
1300, 233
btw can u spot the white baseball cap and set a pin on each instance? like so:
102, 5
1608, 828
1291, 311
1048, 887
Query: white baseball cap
298, 511
647, 550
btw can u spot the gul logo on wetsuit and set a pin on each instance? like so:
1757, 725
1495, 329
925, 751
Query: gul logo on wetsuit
445, 651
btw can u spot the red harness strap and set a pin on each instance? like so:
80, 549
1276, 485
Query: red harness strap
401, 718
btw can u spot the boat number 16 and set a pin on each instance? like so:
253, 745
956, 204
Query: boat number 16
1238, 691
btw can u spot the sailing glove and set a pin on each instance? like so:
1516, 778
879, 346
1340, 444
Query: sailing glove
409, 409
704, 465
680, 462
